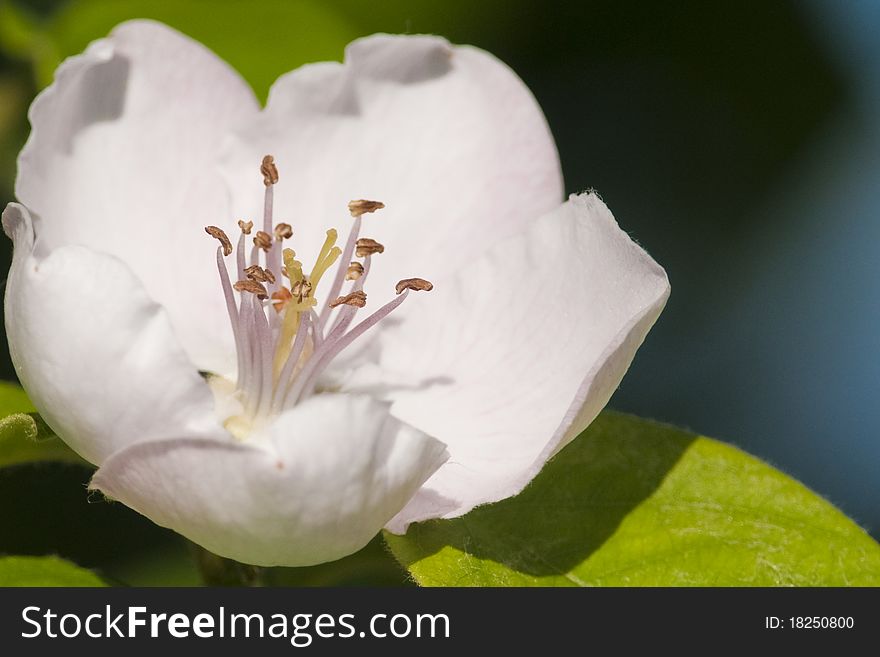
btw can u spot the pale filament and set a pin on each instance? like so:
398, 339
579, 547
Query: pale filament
282, 343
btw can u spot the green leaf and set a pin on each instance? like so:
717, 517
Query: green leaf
14, 400
636, 503
24, 437
44, 571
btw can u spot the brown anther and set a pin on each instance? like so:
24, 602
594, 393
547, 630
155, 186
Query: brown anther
363, 206
258, 274
418, 284
217, 233
253, 287
366, 246
269, 171
357, 298
281, 298
355, 271
263, 240
245, 226
301, 289
283, 231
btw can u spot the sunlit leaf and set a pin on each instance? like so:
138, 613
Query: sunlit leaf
635, 503
13, 399
44, 571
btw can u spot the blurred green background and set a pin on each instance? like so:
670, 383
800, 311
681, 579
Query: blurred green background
738, 142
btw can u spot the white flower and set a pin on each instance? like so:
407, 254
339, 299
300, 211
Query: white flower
120, 333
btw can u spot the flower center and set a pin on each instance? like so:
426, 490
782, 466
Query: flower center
283, 343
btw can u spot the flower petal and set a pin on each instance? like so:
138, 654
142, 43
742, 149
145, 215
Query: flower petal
513, 358
447, 137
334, 471
97, 356
121, 159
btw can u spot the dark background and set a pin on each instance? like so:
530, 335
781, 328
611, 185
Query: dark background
738, 142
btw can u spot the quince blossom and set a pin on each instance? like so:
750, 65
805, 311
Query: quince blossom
269, 393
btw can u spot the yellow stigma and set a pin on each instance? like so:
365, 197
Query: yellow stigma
328, 255
302, 300
293, 268
290, 323
289, 327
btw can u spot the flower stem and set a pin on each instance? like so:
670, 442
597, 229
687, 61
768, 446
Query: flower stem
220, 571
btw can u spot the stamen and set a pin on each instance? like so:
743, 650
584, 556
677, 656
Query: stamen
340, 276
301, 290
286, 375
362, 280
418, 284
247, 378
217, 233
283, 231
253, 287
282, 354
363, 206
264, 339
263, 240
317, 337
334, 345
240, 255
255, 254
366, 246
358, 284
281, 298
314, 366
357, 298
231, 307
269, 170
257, 273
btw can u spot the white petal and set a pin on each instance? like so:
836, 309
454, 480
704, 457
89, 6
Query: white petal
121, 158
96, 355
335, 470
447, 137
516, 356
